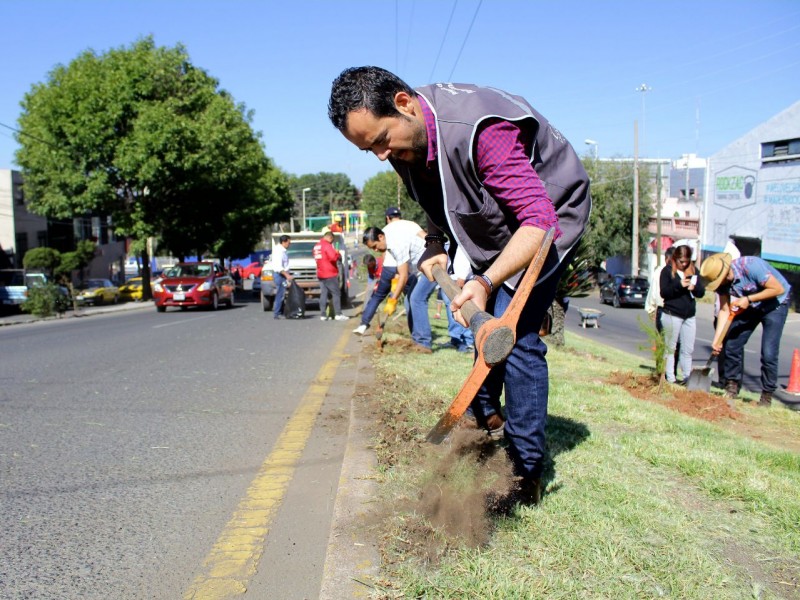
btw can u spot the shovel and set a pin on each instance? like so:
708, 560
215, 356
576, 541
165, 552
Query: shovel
700, 379
379, 331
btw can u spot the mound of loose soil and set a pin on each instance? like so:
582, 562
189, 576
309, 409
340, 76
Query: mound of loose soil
709, 407
706, 406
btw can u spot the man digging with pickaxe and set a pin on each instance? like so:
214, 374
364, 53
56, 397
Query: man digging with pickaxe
493, 176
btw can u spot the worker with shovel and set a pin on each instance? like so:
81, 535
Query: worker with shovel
756, 288
493, 176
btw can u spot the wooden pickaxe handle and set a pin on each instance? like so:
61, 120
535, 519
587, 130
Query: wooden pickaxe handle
508, 321
498, 341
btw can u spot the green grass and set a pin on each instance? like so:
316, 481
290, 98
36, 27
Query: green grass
641, 501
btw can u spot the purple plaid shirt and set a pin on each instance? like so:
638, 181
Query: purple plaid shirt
505, 170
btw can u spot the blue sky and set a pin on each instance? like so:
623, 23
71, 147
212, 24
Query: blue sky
714, 69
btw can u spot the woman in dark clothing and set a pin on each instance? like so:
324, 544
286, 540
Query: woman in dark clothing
680, 286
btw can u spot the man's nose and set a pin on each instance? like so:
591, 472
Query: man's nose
382, 154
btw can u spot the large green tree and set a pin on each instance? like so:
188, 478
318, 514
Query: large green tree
384, 190
146, 137
326, 192
610, 227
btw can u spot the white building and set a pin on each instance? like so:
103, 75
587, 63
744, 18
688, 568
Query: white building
754, 195
21, 230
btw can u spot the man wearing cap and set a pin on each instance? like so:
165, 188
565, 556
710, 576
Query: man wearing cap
749, 284
388, 271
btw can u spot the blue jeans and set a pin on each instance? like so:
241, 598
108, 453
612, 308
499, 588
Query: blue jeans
678, 333
419, 322
280, 292
383, 289
524, 376
772, 317
460, 336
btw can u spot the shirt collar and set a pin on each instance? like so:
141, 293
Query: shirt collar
430, 129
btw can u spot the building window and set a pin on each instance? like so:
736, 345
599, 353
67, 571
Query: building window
22, 245
41, 238
781, 150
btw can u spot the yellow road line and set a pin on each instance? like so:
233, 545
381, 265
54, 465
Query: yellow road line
234, 558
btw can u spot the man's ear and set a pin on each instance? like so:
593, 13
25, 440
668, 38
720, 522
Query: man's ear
404, 103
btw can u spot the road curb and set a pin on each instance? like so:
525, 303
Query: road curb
24, 318
352, 560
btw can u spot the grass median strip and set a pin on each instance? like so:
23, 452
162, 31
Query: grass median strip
641, 500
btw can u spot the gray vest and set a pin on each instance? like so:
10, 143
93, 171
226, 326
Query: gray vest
454, 198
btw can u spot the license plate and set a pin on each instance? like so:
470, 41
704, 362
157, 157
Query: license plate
637, 295
179, 296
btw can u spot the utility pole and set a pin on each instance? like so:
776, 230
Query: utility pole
635, 232
658, 217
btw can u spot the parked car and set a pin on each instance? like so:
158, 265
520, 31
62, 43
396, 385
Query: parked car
188, 284
97, 291
131, 289
628, 290
251, 271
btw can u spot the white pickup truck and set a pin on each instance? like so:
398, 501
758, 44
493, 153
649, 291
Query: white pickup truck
14, 286
304, 268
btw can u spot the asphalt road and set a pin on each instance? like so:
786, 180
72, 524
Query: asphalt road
620, 328
131, 442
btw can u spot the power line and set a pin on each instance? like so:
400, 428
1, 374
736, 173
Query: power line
444, 37
466, 37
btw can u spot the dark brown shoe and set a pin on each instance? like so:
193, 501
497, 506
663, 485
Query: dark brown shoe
731, 389
766, 399
527, 492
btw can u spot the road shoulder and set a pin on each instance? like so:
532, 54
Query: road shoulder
352, 560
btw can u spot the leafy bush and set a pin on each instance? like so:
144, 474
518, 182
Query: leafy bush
45, 300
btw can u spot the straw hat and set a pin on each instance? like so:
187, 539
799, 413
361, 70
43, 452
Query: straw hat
715, 269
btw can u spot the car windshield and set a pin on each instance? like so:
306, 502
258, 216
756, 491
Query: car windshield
188, 271
301, 248
95, 283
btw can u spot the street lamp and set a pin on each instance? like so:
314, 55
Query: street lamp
303, 227
589, 142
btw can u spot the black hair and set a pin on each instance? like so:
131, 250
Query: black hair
283, 238
371, 234
372, 88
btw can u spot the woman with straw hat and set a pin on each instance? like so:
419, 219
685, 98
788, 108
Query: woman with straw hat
752, 285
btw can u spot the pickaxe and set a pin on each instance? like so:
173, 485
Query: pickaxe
494, 336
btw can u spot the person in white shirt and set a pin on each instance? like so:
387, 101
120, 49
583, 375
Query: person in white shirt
388, 271
281, 274
404, 241
654, 303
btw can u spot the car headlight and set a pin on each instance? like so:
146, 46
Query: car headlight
267, 275
205, 286
157, 287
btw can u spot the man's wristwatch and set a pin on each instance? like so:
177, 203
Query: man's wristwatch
435, 239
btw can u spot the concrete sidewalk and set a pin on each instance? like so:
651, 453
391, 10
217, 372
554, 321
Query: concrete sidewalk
84, 311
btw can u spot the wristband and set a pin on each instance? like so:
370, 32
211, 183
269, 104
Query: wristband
484, 281
435, 239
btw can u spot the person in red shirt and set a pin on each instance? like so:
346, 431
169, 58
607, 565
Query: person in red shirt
328, 259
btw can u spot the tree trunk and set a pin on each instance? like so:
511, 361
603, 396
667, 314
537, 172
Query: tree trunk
147, 292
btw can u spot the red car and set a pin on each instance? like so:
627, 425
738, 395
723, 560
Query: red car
194, 284
251, 271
